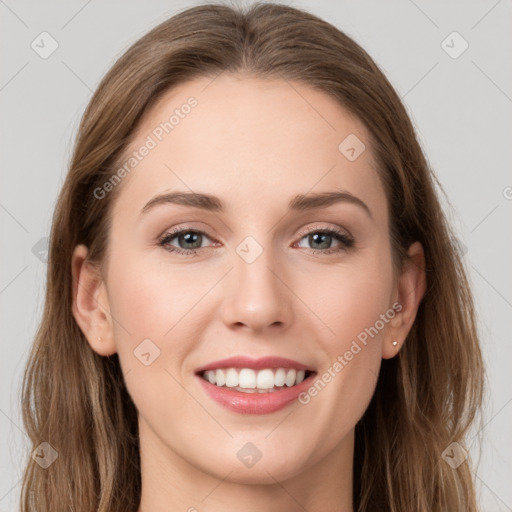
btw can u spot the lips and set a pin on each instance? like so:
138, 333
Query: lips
255, 386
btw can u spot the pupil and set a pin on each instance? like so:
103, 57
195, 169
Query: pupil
315, 239
189, 239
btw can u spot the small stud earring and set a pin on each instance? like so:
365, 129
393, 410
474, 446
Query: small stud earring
394, 343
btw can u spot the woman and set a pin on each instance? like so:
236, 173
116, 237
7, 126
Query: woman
253, 298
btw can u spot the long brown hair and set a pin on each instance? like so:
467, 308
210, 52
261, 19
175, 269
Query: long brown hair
426, 398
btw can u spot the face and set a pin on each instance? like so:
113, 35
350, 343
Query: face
263, 270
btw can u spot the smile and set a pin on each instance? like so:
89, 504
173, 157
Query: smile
255, 386
247, 380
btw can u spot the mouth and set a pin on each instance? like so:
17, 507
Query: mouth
255, 386
248, 380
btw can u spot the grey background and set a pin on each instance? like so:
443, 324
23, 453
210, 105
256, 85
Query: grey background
460, 106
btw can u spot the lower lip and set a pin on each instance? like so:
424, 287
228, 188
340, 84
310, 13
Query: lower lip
255, 403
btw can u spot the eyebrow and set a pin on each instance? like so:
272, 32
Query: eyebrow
298, 203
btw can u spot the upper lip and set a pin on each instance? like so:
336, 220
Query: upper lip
256, 364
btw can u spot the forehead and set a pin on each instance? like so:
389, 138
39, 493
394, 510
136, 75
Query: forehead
248, 140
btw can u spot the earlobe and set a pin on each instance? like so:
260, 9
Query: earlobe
411, 289
90, 303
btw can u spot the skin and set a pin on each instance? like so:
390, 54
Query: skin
255, 144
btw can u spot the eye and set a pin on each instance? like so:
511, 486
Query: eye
190, 241
321, 240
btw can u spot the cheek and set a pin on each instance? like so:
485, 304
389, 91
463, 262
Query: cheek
155, 310
355, 305
152, 299
354, 350
353, 300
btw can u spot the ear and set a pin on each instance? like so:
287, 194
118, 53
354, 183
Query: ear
90, 303
411, 288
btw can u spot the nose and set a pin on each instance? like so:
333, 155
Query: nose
256, 297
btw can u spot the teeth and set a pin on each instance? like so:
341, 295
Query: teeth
265, 379
280, 377
231, 378
291, 377
220, 378
248, 379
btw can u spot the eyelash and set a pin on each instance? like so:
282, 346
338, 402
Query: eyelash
346, 240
